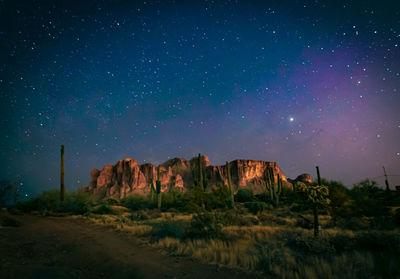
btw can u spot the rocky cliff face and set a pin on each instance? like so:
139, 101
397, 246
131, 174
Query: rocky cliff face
128, 176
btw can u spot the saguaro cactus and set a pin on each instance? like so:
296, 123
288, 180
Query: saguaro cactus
228, 176
279, 190
318, 195
158, 188
201, 181
274, 189
152, 192
62, 185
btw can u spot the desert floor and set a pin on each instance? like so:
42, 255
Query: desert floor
62, 247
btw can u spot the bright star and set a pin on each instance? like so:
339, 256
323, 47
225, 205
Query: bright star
291, 119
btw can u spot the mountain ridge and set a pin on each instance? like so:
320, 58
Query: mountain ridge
128, 177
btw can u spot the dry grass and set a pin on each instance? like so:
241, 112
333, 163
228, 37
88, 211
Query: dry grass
257, 247
137, 230
235, 255
170, 217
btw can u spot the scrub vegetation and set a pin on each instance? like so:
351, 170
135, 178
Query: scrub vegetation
358, 229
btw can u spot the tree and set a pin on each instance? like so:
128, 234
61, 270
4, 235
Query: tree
369, 199
340, 202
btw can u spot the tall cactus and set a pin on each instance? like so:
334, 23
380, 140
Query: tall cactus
62, 185
279, 192
200, 171
228, 176
201, 181
274, 189
158, 188
152, 192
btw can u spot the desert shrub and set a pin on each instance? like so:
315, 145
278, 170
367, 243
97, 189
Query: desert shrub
103, 209
244, 195
248, 221
77, 203
7, 192
10, 222
48, 200
167, 229
154, 213
209, 224
204, 225
396, 217
384, 222
342, 242
340, 203
306, 244
353, 223
257, 207
377, 241
173, 199
139, 215
136, 202
218, 198
263, 197
273, 256
304, 223
270, 219
192, 200
368, 199
111, 201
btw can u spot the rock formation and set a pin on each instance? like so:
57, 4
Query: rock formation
305, 177
127, 176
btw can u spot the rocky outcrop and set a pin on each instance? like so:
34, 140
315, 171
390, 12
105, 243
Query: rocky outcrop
127, 176
305, 178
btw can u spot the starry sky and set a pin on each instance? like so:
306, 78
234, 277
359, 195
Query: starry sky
303, 83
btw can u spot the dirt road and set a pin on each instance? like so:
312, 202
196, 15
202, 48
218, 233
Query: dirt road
60, 247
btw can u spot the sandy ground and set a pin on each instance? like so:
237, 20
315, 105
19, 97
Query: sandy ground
61, 247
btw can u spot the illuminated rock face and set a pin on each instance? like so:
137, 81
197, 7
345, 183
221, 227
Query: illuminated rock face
128, 176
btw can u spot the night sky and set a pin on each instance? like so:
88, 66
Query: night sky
303, 83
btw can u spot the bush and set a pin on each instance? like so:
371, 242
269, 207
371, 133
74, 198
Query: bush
111, 202
209, 224
396, 217
256, 207
377, 241
218, 198
354, 223
166, 229
136, 202
103, 209
244, 195
173, 199
307, 244
46, 201
10, 222
248, 221
139, 215
204, 225
274, 256
342, 242
49, 202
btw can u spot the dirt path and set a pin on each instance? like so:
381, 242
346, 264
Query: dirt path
57, 247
